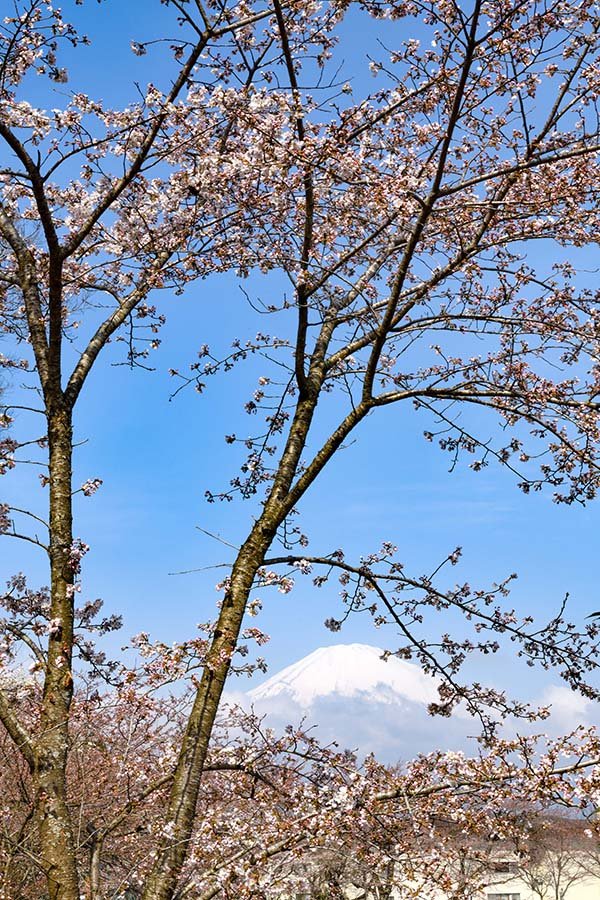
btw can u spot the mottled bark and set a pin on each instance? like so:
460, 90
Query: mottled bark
95, 860
46, 753
54, 821
162, 883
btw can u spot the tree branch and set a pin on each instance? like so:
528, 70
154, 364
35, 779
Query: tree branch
17, 731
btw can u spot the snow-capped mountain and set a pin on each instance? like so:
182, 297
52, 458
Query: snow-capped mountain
349, 694
348, 670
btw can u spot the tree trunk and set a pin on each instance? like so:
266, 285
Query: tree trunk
162, 882
54, 821
95, 860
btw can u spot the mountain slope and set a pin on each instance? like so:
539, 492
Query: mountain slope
349, 695
348, 670
352, 696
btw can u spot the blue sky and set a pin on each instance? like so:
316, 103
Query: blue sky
157, 457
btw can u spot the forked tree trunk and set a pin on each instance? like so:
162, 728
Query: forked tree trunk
55, 829
162, 881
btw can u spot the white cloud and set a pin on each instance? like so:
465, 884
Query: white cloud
568, 708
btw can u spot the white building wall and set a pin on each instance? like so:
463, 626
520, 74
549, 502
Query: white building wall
584, 888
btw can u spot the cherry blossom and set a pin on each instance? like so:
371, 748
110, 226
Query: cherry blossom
401, 215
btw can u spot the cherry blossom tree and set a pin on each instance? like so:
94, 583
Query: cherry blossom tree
281, 815
403, 220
